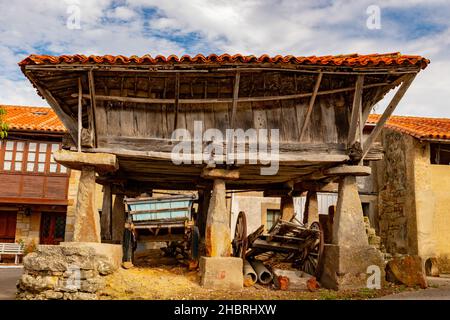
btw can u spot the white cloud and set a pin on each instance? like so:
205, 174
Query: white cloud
250, 27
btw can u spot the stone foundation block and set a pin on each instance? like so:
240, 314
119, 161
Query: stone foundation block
112, 253
221, 273
70, 271
347, 267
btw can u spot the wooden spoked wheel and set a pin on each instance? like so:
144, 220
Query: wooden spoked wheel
239, 242
310, 262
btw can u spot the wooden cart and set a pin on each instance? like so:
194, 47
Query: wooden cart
167, 219
287, 241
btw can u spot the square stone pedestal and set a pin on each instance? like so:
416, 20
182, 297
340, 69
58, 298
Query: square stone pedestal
221, 273
346, 267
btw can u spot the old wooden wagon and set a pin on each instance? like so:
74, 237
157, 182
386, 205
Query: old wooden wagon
287, 241
166, 219
122, 115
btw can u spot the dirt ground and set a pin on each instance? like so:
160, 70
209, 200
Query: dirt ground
155, 277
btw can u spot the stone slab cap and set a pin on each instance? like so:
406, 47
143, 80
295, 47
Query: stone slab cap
348, 171
103, 162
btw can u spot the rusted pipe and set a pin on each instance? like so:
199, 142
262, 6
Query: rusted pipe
250, 276
264, 275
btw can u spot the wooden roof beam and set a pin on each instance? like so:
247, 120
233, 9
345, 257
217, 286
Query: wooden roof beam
387, 113
226, 100
68, 121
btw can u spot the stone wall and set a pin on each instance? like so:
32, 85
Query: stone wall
72, 272
396, 206
414, 201
27, 227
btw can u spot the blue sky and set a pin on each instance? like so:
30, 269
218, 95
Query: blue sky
250, 27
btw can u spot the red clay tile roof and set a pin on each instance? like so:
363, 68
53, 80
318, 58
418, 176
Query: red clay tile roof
350, 60
418, 127
32, 119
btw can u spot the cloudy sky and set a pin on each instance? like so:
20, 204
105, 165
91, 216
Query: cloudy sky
318, 27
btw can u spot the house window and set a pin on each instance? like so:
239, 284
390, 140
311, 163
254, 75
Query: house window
272, 217
440, 153
8, 156
30, 157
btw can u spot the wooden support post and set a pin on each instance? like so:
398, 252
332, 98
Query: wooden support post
311, 213
356, 112
87, 220
80, 114
177, 99
106, 217
203, 205
118, 218
387, 113
235, 98
92, 95
310, 106
287, 208
218, 234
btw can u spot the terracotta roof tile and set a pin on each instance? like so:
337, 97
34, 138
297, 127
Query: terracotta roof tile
32, 119
350, 60
418, 127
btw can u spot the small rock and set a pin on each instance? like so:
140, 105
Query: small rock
406, 270
104, 267
53, 295
127, 265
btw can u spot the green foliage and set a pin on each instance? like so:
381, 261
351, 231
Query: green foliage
3, 125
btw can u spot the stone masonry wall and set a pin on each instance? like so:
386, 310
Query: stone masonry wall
27, 227
396, 207
68, 273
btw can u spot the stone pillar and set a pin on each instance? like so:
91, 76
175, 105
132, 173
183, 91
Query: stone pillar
311, 212
346, 260
105, 219
118, 219
349, 227
218, 269
218, 236
87, 219
287, 208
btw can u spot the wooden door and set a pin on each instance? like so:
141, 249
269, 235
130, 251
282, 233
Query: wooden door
8, 226
53, 226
